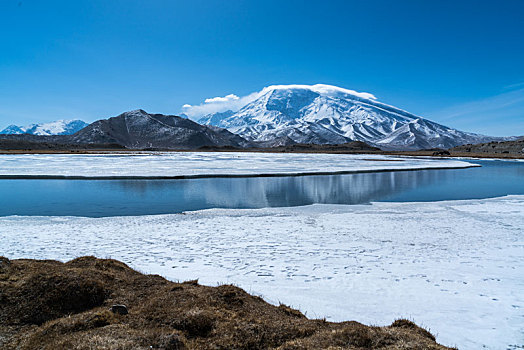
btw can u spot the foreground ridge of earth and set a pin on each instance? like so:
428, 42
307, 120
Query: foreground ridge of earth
48, 304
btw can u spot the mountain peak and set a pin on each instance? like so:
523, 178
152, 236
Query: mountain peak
322, 89
135, 112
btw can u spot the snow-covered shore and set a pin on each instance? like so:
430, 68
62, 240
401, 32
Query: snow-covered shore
454, 266
202, 164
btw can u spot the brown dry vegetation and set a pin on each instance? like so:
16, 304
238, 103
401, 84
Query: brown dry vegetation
54, 305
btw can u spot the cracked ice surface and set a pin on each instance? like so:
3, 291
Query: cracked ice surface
452, 266
207, 163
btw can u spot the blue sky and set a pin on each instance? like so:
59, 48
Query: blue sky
460, 63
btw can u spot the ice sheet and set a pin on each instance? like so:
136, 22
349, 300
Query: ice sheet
455, 267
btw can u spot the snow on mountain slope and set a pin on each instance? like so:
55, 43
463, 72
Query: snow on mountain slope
59, 127
12, 130
327, 114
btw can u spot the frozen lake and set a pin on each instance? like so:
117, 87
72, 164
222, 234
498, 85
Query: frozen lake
206, 164
433, 246
98, 198
452, 266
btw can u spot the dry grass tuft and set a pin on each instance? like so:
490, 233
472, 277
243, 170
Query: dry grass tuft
407, 324
52, 305
290, 311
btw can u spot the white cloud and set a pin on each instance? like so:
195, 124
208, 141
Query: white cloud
234, 102
480, 108
514, 86
219, 104
499, 115
230, 97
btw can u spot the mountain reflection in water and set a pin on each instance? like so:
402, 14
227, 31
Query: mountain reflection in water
285, 191
98, 198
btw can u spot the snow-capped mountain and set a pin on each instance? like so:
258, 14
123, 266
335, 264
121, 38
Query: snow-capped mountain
59, 127
12, 130
325, 114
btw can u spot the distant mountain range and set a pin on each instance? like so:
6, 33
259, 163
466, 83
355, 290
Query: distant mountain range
133, 130
59, 127
280, 115
324, 114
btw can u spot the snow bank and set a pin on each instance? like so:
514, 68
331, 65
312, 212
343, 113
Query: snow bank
201, 164
454, 266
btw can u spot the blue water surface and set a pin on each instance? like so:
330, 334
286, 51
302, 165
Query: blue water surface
99, 198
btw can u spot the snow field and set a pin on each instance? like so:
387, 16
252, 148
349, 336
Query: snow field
454, 267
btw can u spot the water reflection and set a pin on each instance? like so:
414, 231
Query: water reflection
139, 197
282, 191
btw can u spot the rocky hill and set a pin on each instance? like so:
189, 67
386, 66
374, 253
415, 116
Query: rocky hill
139, 129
